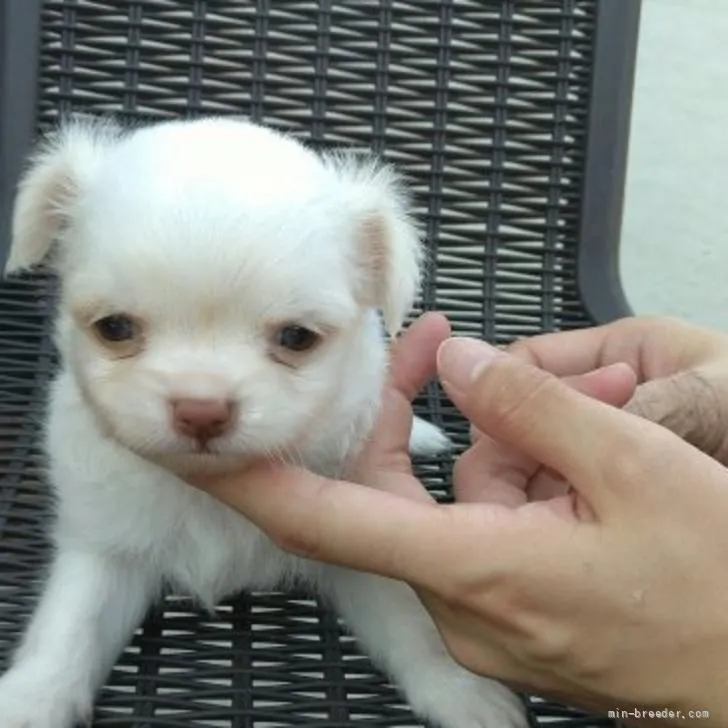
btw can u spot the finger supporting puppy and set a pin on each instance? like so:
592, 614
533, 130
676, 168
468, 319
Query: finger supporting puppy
339, 522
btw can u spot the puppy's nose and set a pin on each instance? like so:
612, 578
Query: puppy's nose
203, 419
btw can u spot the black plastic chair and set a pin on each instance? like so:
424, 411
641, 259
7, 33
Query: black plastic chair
511, 117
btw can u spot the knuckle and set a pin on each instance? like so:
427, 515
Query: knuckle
493, 594
306, 546
450, 593
470, 588
559, 648
463, 649
522, 350
552, 646
639, 460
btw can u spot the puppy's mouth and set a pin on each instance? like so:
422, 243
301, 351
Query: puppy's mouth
203, 447
201, 459
187, 448
190, 455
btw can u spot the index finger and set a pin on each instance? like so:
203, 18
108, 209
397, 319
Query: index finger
566, 353
361, 528
653, 346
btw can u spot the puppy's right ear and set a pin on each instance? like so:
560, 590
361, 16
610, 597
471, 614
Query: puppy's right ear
49, 190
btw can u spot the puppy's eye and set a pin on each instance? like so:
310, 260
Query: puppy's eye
116, 328
297, 338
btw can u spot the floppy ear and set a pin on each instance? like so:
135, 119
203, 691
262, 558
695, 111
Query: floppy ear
389, 251
49, 190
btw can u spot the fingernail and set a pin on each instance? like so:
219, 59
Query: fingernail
460, 360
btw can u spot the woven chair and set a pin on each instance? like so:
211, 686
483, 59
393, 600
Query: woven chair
511, 119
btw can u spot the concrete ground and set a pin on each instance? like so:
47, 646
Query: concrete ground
675, 230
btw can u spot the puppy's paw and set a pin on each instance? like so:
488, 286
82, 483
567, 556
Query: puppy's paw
27, 702
427, 439
455, 698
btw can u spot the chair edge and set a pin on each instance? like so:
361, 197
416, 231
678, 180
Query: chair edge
607, 146
20, 43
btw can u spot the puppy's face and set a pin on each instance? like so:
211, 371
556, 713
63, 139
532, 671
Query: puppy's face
210, 353
218, 282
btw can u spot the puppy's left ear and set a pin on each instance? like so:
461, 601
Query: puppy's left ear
59, 171
389, 252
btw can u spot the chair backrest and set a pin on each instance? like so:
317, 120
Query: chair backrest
510, 117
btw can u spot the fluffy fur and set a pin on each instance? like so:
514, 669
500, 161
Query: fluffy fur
211, 237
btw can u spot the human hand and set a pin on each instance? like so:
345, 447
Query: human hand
682, 371
385, 461
618, 601
649, 550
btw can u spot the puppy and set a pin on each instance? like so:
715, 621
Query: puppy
221, 296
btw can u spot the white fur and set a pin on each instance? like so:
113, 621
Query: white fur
209, 231
426, 439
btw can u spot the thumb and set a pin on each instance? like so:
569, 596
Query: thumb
529, 409
614, 384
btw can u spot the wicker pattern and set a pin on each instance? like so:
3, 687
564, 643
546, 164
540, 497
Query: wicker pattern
483, 104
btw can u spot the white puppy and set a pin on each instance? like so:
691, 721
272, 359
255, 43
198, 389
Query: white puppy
220, 294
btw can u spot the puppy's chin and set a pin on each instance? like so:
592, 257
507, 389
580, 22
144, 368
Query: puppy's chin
188, 465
